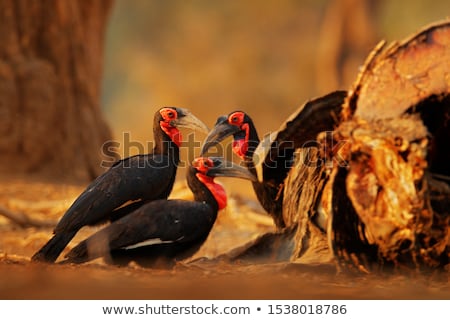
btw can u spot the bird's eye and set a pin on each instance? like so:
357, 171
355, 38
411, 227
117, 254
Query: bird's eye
236, 118
168, 114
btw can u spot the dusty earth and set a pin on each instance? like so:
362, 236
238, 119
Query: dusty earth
242, 221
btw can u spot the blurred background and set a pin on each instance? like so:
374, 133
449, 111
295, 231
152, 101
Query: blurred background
264, 57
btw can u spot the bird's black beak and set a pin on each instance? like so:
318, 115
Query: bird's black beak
187, 120
221, 130
223, 168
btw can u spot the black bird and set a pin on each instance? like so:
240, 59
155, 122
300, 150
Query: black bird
162, 232
139, 178
245, 141
274, 163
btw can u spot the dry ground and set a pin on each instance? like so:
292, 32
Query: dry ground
242, 221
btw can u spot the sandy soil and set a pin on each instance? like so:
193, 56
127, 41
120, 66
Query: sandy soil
242, 221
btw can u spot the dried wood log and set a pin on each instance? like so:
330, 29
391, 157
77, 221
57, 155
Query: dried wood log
389, 206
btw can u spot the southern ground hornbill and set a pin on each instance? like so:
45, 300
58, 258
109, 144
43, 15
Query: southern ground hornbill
277, 150
139, 178
283, 162
162, 232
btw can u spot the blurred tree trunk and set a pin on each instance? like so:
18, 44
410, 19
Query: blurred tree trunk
50, 75
347, 35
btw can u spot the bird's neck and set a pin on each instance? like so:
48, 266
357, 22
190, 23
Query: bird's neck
206, 190
165, 146
252, 144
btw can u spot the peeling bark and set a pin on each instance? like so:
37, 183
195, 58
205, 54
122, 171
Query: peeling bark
395, 189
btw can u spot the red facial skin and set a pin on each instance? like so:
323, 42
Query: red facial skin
203, 165
168, 115
240, 146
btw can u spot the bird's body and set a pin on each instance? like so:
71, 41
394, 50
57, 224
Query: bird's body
138, 179
158, 233
162, 232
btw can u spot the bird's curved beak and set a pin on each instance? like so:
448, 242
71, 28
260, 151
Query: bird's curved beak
187, 120
221, 130
224, 168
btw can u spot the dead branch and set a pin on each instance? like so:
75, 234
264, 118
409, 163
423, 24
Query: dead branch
24, 221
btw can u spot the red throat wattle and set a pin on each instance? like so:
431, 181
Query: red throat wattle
240, 146
173, 133
216, 189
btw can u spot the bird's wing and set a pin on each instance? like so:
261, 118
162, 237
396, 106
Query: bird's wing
143, 177
161, 221
299, 130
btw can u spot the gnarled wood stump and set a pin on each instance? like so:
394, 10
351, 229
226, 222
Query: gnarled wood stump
390, 205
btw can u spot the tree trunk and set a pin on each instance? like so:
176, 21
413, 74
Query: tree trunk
50, 75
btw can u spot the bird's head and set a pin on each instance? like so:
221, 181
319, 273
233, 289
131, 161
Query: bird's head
207, 168
238, 124
170, 119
